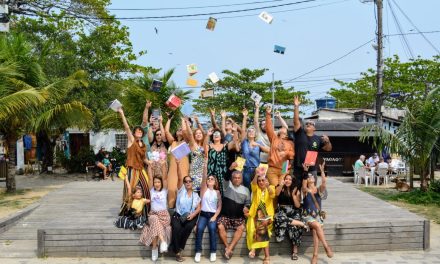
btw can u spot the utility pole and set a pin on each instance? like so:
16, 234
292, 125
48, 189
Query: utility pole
379, 95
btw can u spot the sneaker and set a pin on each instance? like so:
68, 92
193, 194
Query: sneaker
213, 257
163, 247
197, 257
154, 254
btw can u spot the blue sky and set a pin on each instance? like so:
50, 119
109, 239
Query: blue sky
320, 32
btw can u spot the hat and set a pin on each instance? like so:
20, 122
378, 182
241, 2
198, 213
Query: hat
375, 154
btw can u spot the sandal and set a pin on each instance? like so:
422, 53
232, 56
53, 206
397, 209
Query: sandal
294, 256
252, 254
329, 252
227, 254
179, 258
266, 260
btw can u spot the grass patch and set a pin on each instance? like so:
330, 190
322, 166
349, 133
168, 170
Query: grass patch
426, 204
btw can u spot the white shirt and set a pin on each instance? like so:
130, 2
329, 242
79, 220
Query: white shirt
209, 201
383, 165
158, 200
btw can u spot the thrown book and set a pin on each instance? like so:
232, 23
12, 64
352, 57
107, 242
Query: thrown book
181, 151
240, 163
279, 49
213, 77
266, 17
211, 23
191, 82
156, 85
256, 97
191, 69
115, 105
310, 159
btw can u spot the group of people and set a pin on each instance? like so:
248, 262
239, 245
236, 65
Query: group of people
206, 188
375, 163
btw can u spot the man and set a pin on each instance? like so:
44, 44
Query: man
382, 164
260, 133
359, 163
306, 140
373, 160
235, 204
281, 150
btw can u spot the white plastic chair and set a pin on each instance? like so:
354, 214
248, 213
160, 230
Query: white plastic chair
356, 175
383, 173
363, 174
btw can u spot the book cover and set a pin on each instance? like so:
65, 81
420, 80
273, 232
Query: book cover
240, 163
207, 93
173, 102
191, 82
213, 77
181, 151
279, 49
266, 17
191, 69
285, 167
156, 85
310, 159
262, 168
115, 105
256, 97
211, 23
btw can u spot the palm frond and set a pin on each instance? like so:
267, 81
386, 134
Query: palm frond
60, 88
13, 104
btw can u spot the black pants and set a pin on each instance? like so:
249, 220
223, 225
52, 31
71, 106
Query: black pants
180, 232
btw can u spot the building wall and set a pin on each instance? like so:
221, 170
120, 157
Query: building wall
332, 115
104, 139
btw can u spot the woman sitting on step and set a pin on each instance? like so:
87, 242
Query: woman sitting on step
186, 214
312, 212
158, 230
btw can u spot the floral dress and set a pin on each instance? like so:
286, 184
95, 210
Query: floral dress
284, 215
217, 164
196, 168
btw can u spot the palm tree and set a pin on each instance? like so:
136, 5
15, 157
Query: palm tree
417, 137
136, 91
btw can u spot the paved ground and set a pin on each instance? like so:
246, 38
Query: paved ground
430, 256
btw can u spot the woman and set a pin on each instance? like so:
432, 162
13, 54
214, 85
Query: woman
185, 216
260, 217
312, 211
211, 207
172, 179
218, 154
198, 154
158, 230
288, 214
157, 157
250, 149
135, 164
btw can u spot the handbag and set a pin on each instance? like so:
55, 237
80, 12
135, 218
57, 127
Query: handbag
183, 218
322, 213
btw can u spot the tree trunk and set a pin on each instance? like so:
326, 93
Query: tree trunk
432, 165
10, 178
411, 176
424, 178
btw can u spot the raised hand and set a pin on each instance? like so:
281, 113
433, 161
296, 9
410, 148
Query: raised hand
277, 114
322, 166
148, 104
296, 101
268, 109
245, 112
223, 114
210, 131
212, 111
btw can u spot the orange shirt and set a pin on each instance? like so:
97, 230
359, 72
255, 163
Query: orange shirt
277, 145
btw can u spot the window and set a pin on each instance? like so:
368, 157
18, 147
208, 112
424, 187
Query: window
121, 141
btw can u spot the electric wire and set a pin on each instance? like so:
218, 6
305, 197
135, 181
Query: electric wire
403, 39
412, 23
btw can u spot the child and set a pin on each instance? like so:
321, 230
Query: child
134, 219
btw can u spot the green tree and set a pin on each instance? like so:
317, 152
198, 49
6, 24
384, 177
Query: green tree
416, 138
233, 93
412, 80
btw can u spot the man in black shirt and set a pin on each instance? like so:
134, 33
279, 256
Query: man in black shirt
306, 140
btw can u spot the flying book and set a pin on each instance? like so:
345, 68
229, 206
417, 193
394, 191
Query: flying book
156, 85
181, 151
191, 82
279, 49
207, 93
262, 169
213, 77
240, 163
173, 102
256, 97
115, 105
191, 69
266, 17
310, 159
211, 23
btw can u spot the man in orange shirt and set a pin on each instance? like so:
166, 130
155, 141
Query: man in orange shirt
281, 149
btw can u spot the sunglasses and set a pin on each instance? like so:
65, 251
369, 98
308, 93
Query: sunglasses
261, 180
216, 134
210, 179
188, 181
310, 124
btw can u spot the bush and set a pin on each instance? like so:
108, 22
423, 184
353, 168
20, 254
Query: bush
76, 163
119, 155
435, 186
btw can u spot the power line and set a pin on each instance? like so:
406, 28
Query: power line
403, 39
423, 35
213, 13
237, 16
191, 7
